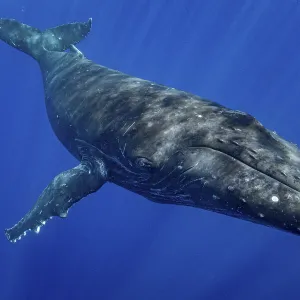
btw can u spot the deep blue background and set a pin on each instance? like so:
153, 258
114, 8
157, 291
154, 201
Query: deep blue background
244, 54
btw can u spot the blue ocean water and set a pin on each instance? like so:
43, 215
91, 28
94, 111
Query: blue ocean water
116, 245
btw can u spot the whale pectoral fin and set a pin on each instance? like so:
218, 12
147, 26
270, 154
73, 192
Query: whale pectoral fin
64, 191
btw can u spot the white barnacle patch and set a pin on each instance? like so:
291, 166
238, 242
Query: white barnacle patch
64, 214
230, 188
275, 199
261, 215
199, 116
37, 229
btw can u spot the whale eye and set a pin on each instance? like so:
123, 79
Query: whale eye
143, 162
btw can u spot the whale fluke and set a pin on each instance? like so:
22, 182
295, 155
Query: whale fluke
34, 42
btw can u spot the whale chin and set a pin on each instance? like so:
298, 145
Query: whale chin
215, 181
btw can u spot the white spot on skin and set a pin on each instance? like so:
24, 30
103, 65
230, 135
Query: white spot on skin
37, 230
261, 215
275, 199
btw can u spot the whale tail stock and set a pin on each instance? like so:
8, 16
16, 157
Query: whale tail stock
34, 42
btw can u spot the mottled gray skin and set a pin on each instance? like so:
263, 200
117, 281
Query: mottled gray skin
164, 144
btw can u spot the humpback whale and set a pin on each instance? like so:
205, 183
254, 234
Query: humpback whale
169, 146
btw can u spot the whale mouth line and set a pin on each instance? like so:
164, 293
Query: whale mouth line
248, 165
